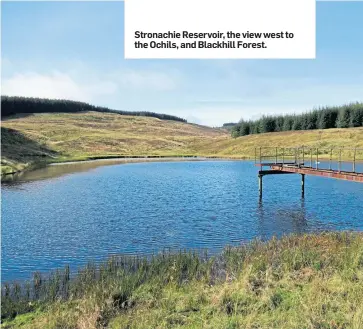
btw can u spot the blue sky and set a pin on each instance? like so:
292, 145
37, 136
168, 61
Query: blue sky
74, 50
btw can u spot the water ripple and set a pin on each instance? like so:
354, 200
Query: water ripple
146, 207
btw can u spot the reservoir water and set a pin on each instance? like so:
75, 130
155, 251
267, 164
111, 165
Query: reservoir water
64, 215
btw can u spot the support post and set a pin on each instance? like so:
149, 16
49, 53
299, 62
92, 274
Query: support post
340, 159
283, 156
302, 185
260, 158
317, 159
303, 156
355, 154
295, 156
260, 185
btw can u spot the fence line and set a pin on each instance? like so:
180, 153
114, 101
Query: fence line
339, 159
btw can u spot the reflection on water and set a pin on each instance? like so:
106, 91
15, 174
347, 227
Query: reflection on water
146, 207
287, 220
60, 169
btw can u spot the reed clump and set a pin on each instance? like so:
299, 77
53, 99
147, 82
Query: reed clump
307, 281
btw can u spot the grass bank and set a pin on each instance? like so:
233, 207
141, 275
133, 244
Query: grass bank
310, 281
58, 137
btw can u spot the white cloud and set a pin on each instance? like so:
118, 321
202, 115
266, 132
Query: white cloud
147, 80
194, 119
81, 83
210, 116
55, 85
168, 90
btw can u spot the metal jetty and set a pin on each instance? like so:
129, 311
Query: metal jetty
339, 163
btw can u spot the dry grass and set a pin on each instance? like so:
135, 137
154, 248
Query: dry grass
244, 146
297, 282
93, 133
81, 136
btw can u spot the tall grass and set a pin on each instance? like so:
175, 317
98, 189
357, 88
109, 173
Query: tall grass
309, 281
124, 271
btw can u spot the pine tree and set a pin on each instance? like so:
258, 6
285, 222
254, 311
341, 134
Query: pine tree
279, 126
26, 105
312, 120
323, 119
356, 117
296, 124
343, 120
350, 115
288, 122
244, 128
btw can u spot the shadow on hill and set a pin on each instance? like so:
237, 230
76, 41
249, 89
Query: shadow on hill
16, 116
16, 147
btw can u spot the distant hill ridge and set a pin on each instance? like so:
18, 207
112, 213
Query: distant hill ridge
229, 125
11, 105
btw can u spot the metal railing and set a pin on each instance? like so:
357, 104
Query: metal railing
337, 159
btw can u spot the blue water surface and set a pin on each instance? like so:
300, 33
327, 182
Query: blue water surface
146, 207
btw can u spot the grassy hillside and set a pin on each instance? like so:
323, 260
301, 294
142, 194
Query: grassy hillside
245, 145
86, 135
64, 136
298, 282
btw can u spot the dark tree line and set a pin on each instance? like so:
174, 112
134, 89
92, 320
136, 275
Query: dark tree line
345, 116
16, 105
229, 125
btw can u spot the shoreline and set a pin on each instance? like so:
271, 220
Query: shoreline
136, 159
149, 159
49, 170
127, 159
274, 277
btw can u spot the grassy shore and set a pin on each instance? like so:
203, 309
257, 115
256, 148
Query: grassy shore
43, 138
301, 282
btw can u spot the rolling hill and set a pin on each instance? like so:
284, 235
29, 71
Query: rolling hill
78, 136
54, 137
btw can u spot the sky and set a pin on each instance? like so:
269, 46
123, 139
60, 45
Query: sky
74, 50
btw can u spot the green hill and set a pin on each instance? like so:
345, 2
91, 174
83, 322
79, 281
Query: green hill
33, 140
